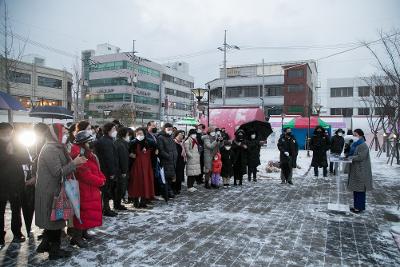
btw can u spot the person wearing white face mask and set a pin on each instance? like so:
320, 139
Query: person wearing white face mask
168, 156
106, 152
227, 158
141, 183
253, 156
211, 147
193, 167
122, 176
337, 145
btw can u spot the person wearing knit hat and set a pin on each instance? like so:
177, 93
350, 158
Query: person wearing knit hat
54, 163
193, 166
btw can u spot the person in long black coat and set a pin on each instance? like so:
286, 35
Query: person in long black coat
122, 176
200, 133
168, 156
253, 156
12, 181
337, 145
227, 158
289, 150
107, 154
320, 144
180, 162
239, 148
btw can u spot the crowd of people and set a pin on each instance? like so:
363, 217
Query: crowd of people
134, 168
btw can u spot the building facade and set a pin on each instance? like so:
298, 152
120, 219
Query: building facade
134, 91
33, 84
282, 87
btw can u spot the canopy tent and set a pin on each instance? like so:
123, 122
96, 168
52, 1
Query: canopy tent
300, 126
231, 118
51, 112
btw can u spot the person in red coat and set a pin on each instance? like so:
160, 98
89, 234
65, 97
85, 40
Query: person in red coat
90, 179
141, 183
216, 171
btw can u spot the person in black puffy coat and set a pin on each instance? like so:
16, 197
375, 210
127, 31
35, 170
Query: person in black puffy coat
253, 156
337, 145
227, 157
320, 144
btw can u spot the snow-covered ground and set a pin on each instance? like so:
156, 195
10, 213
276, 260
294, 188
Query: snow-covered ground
258, 224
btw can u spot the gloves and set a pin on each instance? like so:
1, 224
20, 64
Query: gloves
287, 154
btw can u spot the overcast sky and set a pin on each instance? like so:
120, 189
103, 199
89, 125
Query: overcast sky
164, 29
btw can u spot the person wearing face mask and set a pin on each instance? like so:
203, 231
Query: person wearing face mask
54, 163
211, 146
288, 148
141, 182
193, 167
337, 144
360, 173
151, 134
319, 144
168, 156
90, 179
106, 152
239, 148
122, 176
224, 134
200, 133
12, 181
227, 158
180, 162
253, 156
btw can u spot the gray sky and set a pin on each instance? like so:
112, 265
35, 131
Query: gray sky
166, 28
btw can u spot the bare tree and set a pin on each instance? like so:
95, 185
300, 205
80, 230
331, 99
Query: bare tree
124, 114
386, 85
10, 56
76, 90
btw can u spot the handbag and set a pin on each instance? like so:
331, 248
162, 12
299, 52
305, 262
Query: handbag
71, 186
61, 208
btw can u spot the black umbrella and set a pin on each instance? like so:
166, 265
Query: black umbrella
51, 112
28, 203
262, 128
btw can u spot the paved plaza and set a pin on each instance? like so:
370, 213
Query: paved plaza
259, 224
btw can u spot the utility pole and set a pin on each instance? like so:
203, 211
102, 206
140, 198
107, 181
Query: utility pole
225, 74
224, 48
133, 82
263, 87
6, 63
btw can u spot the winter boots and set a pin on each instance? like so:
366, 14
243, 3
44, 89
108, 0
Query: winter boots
78, 240
55, 252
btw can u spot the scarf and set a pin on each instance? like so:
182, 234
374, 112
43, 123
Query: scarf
183, 154
355, 145
194, 142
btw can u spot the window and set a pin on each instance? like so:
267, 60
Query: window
342, 92
123, 98
273, 90
384, 111
363, 111
346, 112
250, 91
123, 64
385, 90
169, 91
234, 92
49, 82
148, 86
19, 77
292, 88
295, 73
176, 80
216, 93
109, 82
364, 91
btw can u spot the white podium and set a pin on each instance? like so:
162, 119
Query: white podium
339, 164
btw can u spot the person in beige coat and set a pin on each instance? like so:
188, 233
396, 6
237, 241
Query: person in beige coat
193, 168
360, 174
53, 163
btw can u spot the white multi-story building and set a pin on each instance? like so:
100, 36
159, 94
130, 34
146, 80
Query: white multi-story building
159, 92
37, 85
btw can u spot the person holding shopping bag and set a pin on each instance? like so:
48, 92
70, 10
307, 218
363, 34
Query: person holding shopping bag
54, 163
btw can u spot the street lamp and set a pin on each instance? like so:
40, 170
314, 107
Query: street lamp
318, 108
199, 93
282, 117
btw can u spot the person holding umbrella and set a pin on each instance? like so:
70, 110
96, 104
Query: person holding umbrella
239, 149
253, 156
12, 182
90, 179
